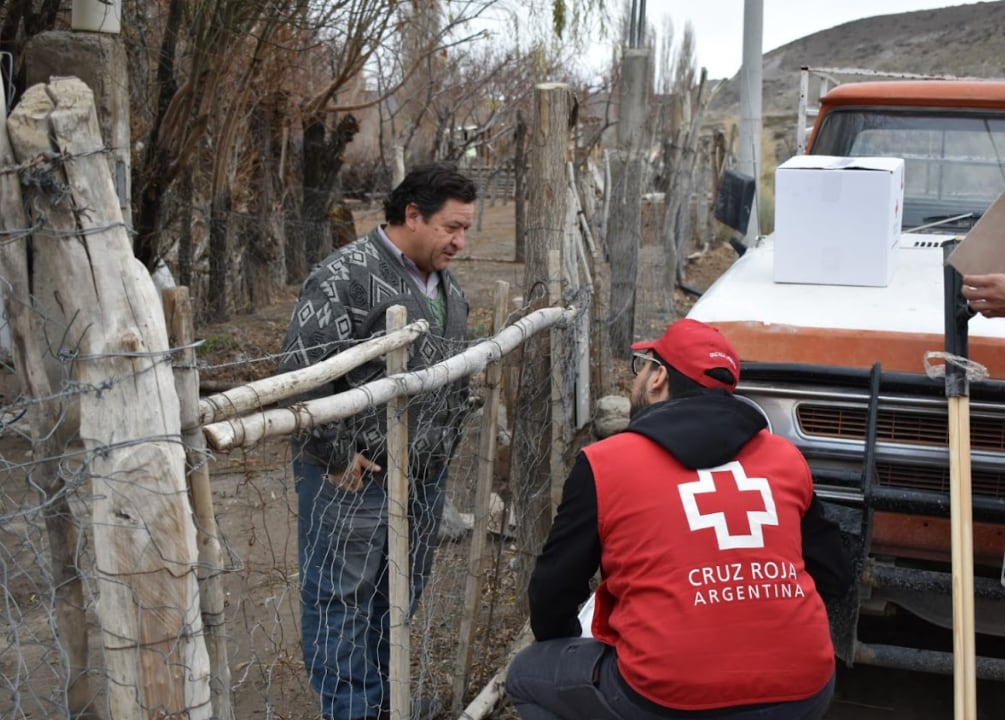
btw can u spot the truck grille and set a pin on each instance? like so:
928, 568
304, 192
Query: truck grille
897, 426
936, 479
902, 427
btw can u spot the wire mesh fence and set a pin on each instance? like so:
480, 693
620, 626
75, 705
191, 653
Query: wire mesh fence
116, 601
59, 656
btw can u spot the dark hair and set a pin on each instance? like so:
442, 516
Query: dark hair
682, 386
428, 187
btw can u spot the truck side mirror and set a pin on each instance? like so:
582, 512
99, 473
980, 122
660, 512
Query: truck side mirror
733, 203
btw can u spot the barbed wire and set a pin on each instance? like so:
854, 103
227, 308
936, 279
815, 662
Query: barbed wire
47, 160
255, 503
41, 229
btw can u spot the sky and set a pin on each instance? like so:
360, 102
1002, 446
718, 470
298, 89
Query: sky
718, 24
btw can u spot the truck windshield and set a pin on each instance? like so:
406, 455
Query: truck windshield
953, 162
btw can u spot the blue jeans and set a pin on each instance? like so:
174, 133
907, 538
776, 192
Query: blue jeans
342, 539
578, 679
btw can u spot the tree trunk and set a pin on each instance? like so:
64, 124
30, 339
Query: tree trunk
322, 159
317, 194
265, 251
220, 281
417, 124
144, 538
292, 204
185, 246
158, 162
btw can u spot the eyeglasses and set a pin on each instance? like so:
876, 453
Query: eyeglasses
637, 365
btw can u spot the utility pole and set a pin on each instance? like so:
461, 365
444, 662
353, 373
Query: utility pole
750, 106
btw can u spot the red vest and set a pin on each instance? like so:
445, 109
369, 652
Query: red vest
704, 592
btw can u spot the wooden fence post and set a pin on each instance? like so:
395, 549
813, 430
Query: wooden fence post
559, 372
519, 196
178, 311
144, 538
578, 280
397, 528
624, 225
624, 236
682, 158
49, 432
547, 199
483, 491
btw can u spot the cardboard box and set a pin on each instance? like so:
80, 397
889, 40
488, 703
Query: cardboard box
982, 250
837, 219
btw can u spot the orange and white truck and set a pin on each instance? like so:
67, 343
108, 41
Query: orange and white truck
840, 368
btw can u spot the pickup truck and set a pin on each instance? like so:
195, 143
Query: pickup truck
839, 370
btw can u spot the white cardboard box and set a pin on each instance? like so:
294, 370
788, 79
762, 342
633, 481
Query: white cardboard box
837, 219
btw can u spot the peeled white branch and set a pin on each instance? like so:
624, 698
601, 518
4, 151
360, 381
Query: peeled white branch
260, 393
494, 691
247, 431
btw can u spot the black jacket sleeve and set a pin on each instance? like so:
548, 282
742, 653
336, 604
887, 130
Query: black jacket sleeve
826, 559
560, 582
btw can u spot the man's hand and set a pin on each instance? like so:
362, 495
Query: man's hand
985, 294
351, 479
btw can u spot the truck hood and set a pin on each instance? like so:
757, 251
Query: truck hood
842, 325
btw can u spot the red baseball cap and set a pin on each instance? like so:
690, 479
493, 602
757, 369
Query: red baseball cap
693, 348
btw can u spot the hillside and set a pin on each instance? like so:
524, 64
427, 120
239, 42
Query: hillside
962, 40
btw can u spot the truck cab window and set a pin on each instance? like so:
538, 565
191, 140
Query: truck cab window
954, 164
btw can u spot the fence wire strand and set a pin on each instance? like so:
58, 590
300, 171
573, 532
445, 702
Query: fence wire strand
51, 500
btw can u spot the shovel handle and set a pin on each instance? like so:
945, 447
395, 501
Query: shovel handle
962, 528
957, 315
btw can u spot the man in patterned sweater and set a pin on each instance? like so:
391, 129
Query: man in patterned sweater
339, 467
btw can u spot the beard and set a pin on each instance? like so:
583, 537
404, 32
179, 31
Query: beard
639, 401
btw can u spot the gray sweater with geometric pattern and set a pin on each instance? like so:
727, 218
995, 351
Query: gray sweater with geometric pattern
343, 302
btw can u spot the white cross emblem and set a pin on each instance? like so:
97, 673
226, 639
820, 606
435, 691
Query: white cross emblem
756, 519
